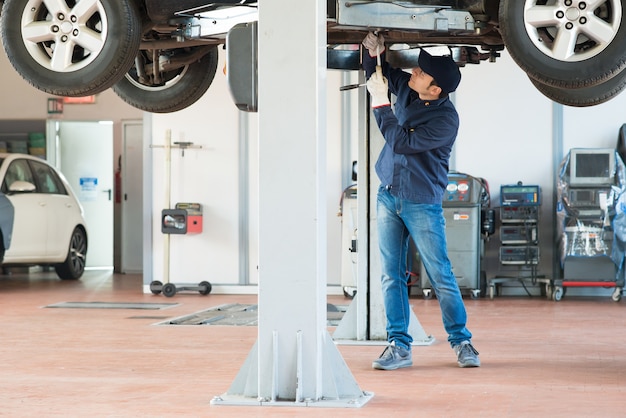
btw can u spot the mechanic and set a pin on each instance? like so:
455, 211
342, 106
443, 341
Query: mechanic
413, 169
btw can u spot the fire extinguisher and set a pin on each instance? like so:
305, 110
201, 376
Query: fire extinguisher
118, 181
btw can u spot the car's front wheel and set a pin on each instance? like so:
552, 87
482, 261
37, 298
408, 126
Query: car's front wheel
74, 265
71, 47
184, 76
566, 43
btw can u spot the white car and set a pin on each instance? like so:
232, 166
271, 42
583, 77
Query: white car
41, 220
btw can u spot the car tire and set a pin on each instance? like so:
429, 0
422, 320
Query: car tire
114, 33
586, 62
74, 265
584, 96
179, 89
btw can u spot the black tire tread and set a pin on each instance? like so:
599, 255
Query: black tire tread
66, 270
187, 91
584, 96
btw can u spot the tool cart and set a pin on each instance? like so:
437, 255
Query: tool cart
590, 221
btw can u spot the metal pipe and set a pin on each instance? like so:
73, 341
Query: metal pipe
167, 203
351, 86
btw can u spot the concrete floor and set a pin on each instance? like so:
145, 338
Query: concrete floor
540, 358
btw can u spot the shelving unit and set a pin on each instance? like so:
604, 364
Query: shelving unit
25, 136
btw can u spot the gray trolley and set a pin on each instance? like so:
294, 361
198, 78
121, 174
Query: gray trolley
468, 223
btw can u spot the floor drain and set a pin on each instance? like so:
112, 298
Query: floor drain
240, 315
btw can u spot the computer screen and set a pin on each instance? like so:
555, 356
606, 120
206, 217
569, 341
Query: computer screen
592, 166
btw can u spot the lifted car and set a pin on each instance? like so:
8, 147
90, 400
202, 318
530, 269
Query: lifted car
161, 55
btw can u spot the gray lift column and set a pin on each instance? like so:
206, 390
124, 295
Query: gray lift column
294, 360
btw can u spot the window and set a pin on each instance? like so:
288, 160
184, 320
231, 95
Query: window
47, 180
17, 171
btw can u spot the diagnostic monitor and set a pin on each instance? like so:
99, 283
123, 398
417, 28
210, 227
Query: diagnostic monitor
592, 166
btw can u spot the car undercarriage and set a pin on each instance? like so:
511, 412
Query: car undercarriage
161, 55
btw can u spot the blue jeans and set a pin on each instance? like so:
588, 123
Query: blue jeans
397, 220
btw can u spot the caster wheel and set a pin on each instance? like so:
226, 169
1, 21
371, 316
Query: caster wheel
557, 294
617, 294
475, 294
548, 291
428, 294
349, 292
169, 289
156, 287
205, 288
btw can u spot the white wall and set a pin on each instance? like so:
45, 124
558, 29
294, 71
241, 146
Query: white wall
22, 101
210, 176
506, 126
595, 126
506, 136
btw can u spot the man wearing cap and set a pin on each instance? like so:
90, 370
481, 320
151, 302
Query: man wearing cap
413, 169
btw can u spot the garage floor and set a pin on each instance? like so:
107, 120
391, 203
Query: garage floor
540, 358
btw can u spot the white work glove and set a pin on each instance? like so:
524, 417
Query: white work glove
378, 88
375, 44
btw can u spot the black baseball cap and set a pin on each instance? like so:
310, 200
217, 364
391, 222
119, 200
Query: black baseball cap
442, 68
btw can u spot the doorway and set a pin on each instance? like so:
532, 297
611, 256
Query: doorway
83, 152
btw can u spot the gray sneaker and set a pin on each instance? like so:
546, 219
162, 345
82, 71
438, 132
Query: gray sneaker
393, 357
466, 354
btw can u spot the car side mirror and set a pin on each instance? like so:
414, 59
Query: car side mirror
20, 186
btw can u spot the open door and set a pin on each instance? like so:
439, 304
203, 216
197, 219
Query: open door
83, 152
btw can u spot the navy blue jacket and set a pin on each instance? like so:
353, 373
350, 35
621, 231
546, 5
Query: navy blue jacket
418, 139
